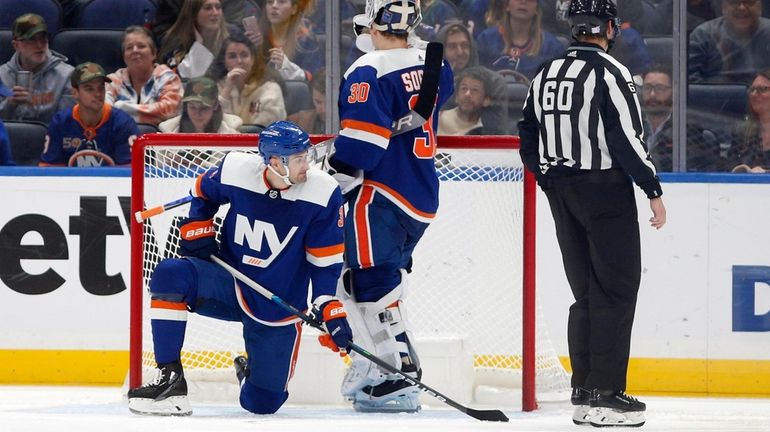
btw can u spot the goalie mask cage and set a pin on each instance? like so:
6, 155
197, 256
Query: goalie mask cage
473, 276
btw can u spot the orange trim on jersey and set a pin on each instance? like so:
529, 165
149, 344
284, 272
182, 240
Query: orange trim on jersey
90, 132
367, 127
361, 224
327, 251
46, 164
250, 312
294, 353
400, 198
198, 191
164, 304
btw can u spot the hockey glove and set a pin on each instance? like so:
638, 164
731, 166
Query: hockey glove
334, 319
198, 239
347, 176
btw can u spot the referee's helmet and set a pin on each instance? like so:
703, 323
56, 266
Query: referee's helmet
590, 17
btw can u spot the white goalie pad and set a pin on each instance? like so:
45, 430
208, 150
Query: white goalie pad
375, 326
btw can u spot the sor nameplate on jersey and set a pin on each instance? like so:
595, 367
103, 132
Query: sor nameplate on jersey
412, 80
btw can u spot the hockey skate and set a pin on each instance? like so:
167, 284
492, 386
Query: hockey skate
242, 369
165, 395
391, 396
580, 400
615, 408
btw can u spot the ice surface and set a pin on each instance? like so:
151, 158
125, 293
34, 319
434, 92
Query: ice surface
103, 409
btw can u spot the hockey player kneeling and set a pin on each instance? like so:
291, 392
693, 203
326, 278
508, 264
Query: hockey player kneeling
393, 202
283, 230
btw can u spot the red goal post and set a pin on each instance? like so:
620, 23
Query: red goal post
483, 168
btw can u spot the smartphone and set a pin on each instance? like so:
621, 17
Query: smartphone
250, 23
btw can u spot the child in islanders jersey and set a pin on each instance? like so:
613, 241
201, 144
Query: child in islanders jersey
283, 230
389, 211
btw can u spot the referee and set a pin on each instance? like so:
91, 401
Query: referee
581, 134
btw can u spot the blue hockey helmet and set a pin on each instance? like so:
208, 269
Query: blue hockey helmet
283, 139
590, 17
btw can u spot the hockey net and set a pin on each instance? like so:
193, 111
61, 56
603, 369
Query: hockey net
467, 279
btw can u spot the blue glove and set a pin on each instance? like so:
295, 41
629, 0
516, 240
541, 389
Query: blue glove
198, 239
339, 335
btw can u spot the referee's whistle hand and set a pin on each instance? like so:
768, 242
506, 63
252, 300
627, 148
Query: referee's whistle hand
658, 218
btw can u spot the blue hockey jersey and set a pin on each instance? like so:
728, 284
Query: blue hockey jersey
70, 143
281, 239
378, 89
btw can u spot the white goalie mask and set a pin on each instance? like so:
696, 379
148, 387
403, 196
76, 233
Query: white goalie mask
391, 16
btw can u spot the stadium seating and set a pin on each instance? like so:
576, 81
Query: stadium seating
298, 96
98, 46
111, 14
719, 102
250, 128
6, 49
517, 94
661, 49
27, 141
50, 10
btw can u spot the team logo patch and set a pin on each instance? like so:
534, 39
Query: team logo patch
273, 194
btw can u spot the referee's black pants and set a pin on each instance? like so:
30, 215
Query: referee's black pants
598, 232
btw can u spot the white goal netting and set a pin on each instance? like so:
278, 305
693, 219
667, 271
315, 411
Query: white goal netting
466, 283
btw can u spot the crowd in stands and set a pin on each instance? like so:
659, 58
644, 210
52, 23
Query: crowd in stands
231, 65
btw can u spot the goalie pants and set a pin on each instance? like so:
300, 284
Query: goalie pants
209, 290
598, 233
379, 241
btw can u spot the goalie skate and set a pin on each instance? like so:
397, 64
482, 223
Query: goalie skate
390, 396
165, 395
580, 400
616, 408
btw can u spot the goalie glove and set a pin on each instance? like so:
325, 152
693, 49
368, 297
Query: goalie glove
198, 239
332, 315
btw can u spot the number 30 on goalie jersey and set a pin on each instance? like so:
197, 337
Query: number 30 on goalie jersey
378, 89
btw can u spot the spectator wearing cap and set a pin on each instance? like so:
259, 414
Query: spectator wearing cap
91, 133
201, 111
459, 46
43, 74
149, 92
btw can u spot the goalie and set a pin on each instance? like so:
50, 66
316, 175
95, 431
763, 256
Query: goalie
392, 185
283, 230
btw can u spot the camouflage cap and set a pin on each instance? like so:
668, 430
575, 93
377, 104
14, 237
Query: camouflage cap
87, 71
202, 90
28, 25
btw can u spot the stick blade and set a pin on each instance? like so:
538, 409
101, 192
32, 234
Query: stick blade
488, 415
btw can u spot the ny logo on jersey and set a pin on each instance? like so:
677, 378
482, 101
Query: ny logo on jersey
255, 234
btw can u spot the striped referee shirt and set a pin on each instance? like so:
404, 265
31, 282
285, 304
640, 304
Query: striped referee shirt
582, 113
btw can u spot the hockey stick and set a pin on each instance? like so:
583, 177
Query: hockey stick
143, 215
423, 108
485, 415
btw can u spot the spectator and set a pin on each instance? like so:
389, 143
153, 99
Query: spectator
247, 87
435, 13
317, 19
147, 91
168, 11
459, 46
733, 47
48, 89
753, 137
473, 13
201, 112
290, 46
515, 41
91, 133
475, 90
6, 157
317, 120
698, 12
195, 39
657, 97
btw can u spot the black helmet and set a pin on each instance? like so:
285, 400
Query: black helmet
589, 17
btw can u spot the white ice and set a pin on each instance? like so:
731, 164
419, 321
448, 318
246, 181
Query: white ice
103, 409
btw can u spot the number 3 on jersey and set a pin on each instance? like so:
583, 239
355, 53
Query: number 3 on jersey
359, 92
424, 148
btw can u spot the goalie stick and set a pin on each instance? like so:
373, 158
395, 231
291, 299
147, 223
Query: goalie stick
485, 415
418, 116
